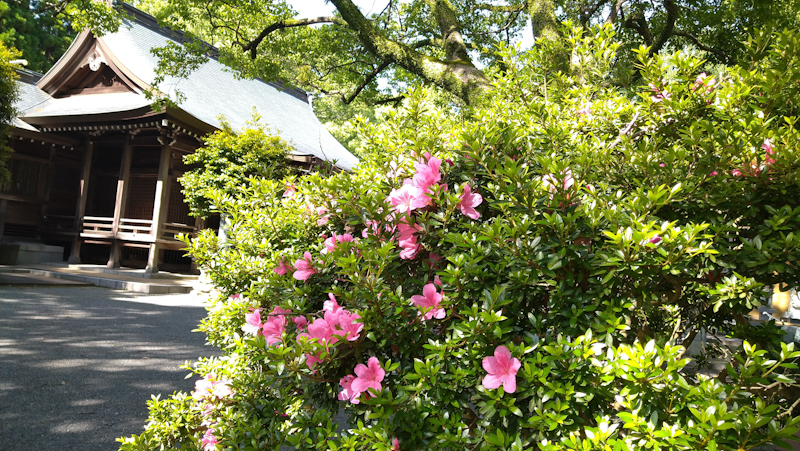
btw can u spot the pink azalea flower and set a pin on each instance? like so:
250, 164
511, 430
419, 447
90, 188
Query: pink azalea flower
661, 165
554, 184
427, 173
469, 201
282, 268
221, 390
291, 190
330, 243
349, 325
396, 444
207, 387
347, 392
323, 217
655, 240
300, 321
236, 296
736, 173
209, 440
767, 146
252, 322
407, 239
437, 281
502, 369
312, 360
585, 109
332, 305
408, 198
368, 376
320, 330
274, 326
304, 267
660, 94
713, 173
429, 303
700, 81
410, 248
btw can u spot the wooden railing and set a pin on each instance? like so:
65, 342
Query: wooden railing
172, 229
133, 229
135, 226
94, 225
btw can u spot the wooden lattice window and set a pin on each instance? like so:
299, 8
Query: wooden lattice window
178, 210
25, 176
141, 197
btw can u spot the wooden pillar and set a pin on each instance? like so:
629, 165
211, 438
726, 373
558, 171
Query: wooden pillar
160, 204
3, 204
80, 210
47, 184
123, 181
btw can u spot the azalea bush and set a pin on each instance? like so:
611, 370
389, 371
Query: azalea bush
525, 276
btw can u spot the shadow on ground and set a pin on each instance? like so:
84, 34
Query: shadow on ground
77, 364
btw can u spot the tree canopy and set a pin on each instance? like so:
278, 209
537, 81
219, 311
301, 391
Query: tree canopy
40, 35
451, 44
8, 95
447, 43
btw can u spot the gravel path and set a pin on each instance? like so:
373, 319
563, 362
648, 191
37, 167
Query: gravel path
77, 364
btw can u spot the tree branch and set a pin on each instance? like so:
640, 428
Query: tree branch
512, 18
612, 16
396, 100
252, 46
639, 24
587, 13
500, 8
669, 27
447, 20
366, 81
722, 55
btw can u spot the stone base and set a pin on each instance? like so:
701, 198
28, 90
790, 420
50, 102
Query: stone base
29, 253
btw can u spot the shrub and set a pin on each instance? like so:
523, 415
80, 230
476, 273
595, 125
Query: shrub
226, 162
527, 278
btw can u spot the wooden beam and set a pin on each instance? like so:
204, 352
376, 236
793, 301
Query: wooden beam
122, 195
160, 204
80, 210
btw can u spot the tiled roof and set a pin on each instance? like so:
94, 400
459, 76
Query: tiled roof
88, 104
213, 91
209, 94
30, 96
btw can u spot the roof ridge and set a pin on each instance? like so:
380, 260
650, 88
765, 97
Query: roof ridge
151, 22
28, 76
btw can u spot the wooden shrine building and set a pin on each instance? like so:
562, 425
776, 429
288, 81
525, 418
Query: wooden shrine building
95, 167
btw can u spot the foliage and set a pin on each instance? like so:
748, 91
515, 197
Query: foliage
41, 37
8, 96
553, 311
371, 56
226, 162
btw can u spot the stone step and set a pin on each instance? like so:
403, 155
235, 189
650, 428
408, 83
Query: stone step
117, 283
126, 272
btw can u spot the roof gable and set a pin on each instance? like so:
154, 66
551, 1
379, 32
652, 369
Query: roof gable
89, 67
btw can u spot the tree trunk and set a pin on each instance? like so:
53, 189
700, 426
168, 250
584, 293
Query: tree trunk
458, 76
543, 19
